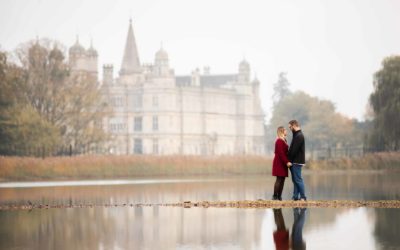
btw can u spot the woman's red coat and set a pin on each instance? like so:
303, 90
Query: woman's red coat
279, 167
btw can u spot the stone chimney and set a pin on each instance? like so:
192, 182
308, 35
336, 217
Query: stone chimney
206, 70
195, 78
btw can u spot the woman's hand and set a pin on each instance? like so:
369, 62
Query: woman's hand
289, 164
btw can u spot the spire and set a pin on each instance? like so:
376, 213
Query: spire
77, 48
37, 39
91, 51
130, 62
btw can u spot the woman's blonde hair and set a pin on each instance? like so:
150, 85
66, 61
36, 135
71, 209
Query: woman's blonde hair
281, 132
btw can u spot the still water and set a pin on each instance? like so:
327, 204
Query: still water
158, 227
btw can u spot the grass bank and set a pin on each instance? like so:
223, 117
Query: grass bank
107, 167
373, 161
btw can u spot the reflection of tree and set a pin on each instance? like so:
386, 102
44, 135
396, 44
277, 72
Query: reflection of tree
57, 229
166, 227
387, 227
364, 186
372, 186
129, 228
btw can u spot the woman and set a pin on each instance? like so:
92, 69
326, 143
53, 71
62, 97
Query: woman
281, 163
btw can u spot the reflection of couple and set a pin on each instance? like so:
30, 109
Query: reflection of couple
281, 234
292, 157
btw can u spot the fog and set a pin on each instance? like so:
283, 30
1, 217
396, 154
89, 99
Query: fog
329, 49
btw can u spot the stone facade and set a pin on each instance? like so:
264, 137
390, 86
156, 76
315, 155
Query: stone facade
156, 112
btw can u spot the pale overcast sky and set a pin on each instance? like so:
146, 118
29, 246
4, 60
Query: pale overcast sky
330, 49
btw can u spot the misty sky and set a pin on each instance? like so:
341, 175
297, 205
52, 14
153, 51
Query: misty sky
329, 49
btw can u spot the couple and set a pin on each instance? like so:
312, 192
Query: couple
292, 157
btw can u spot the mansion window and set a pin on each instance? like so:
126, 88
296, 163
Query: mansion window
137, 101
155, 101
137, 124
116, 101
137, 146
117, 127
155, 123
155, 146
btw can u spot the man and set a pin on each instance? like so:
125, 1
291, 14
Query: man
296, 156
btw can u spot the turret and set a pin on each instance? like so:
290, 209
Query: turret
77, 49
77, 56
161, 63
256, 86
91, 60
108, 74
244, 72
81, 60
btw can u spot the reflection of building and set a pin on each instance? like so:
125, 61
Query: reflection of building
156, 112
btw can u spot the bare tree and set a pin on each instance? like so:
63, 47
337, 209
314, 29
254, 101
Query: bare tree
70, 101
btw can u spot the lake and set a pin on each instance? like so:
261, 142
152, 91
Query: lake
159, 227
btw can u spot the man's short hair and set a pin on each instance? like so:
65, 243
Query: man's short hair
294, 123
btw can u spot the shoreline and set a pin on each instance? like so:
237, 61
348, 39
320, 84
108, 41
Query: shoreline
240, 204
305, 172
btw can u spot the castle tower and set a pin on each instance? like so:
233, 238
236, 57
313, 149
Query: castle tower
108, 74
130, 62
244, 72
161, 63
77, 56
256, 86
91, 60
83, 61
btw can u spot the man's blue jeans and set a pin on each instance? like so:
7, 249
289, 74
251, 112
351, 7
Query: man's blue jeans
298, 190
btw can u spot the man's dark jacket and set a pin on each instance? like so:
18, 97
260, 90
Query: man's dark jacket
297, 148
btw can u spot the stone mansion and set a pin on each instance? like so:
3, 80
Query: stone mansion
157, 112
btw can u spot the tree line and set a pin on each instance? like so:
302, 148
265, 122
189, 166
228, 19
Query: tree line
326, 128
43, 104
323, 125
385, 104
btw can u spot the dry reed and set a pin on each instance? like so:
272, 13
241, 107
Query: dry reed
105, 167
